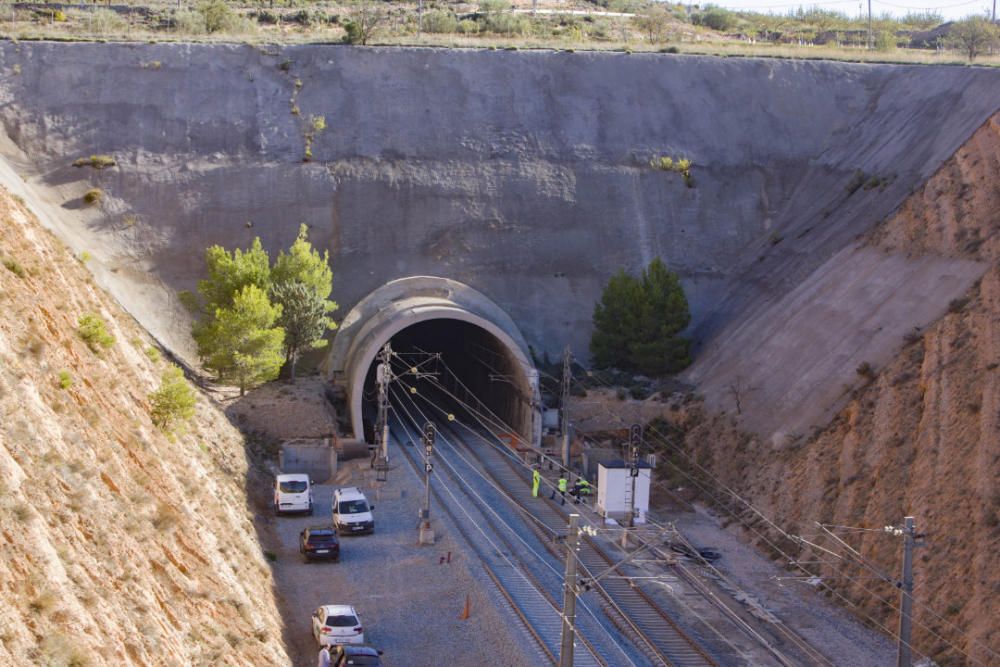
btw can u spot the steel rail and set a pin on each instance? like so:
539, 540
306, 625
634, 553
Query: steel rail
528, 612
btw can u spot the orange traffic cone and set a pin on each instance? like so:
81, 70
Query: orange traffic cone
464, 616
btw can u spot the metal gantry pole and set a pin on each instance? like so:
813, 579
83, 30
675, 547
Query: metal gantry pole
567, 377
383, 376
428, 438
569, 593
905, 655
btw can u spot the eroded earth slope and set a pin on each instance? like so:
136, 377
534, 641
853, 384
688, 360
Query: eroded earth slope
120, 546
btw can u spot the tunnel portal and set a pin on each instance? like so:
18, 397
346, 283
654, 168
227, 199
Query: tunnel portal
465, 348
445, 365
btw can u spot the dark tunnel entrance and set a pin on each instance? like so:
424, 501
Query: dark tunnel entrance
448, 365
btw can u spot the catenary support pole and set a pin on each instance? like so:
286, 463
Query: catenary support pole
567, 378
905, 654
429, 434
569, 593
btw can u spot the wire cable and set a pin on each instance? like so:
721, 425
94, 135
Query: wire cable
513, 532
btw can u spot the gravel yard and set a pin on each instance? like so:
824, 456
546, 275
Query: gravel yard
409, 597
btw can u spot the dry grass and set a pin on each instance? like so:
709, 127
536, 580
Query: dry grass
708, 43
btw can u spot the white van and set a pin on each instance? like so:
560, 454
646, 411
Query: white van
293, 493
351, 512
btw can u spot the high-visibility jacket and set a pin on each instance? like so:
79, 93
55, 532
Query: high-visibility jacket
584, 487
562, 484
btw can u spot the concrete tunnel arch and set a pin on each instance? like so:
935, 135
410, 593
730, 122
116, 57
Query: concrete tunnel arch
406, 302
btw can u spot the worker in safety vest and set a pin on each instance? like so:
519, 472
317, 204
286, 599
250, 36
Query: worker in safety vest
580, 488
563, 483
536, 479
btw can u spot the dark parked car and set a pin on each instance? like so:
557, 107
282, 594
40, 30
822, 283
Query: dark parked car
349, 654
319, 543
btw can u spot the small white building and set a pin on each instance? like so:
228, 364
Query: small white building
614, 490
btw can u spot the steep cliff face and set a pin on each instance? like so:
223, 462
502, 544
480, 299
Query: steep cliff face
919, 436
120, 546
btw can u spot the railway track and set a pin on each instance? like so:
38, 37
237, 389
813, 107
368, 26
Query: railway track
666, 642
636, 614
528, 598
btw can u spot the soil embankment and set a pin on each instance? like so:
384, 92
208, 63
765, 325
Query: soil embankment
120, 546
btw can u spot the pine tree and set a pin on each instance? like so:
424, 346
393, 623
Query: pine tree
637, 322
228, 273
174, 402
242, 343
303, 317
656, 348
616, 316
302, 281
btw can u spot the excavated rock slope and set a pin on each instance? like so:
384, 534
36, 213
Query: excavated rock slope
919, 436
120, 546
525, 174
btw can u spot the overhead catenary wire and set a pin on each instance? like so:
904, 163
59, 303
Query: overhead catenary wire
791, 636
610, 599
746, 503
793, 538
509, 528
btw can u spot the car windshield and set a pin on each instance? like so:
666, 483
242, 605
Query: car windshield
296, 486
342, 621
353, 506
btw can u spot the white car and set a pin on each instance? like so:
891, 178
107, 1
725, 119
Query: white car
293, 493
337, 624
351, 512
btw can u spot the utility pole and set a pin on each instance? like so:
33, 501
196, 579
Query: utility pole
420, 17
634, 440
904, 657
569, 593
869, 25
567, 377
383, 376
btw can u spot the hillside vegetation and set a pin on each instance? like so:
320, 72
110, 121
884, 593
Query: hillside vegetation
121, 545
921, 36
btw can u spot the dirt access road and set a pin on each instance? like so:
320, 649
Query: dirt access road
409, 601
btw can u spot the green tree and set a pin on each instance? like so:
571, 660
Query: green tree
365, 20
973, 36
302, 281
717, 18
229, 272
303, 318
653, 21
616, 317
657, 348
637, 323
241, 343
173, 402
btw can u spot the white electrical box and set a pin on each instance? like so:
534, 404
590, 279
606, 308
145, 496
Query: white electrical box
614, 490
